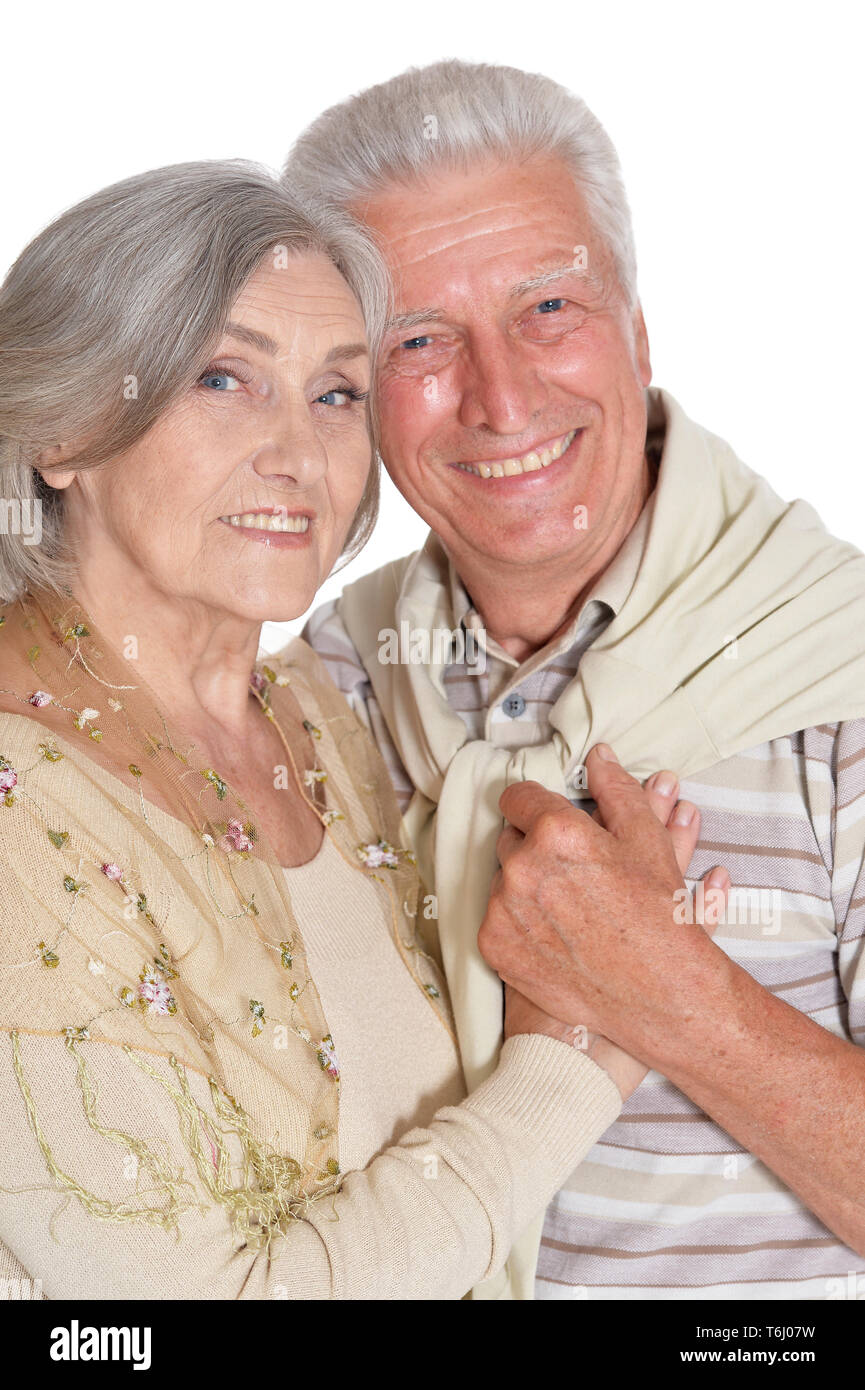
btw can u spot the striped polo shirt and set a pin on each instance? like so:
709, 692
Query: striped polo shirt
667, 1205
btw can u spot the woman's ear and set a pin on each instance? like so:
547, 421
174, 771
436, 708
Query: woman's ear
49, 465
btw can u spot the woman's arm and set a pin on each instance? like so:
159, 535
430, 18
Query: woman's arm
429, 1218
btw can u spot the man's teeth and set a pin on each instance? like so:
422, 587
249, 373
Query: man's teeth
528, 463
269, 521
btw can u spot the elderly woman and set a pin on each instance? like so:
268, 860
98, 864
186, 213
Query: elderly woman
227, 1065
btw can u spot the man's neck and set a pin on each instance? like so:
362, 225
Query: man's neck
523, 608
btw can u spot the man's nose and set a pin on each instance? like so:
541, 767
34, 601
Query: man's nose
501, 388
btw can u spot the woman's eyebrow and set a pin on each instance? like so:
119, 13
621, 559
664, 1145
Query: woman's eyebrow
255, 339
344, 351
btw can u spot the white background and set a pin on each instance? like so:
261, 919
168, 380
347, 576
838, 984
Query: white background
739, 127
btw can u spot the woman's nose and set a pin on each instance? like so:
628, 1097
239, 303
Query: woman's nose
292, 450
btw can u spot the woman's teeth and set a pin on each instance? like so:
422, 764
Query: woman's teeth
268, 521
527, 463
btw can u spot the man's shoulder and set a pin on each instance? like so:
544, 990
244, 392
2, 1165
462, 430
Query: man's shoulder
326, 630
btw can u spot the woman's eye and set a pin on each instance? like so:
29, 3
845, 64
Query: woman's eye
220, 381
338, 398
550, 306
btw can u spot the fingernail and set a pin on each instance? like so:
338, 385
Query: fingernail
683, 814
664, 783
717, 878
604, 751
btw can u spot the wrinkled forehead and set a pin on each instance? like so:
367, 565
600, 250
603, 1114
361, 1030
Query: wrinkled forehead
492, 228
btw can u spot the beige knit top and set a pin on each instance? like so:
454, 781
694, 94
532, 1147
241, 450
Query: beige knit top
190, 1113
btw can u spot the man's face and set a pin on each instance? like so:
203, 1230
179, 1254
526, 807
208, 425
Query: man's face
493, 359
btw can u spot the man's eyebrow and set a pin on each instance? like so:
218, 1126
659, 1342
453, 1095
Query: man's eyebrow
588, 279
593, 283
416, 317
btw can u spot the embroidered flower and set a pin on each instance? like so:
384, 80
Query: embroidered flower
282, 680
311, 729
285, 955
378, 856
236, 838
328, 817
256, 1008
79, 630
154, 994
77, 1034
72, 885
257, 681
8, 776
127, 996
116, 705
327, 1058
432, 991
84, 717
314, 775
294, 991
50, 752
208, 840
40, 698
112, 872
216, 782
47, 956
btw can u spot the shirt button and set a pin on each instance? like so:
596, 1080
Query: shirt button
514, 705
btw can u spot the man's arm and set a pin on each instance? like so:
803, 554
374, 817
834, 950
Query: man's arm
615, 959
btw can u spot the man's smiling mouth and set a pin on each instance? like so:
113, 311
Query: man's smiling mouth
530, 462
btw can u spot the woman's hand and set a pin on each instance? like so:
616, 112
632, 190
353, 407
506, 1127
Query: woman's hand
682, 820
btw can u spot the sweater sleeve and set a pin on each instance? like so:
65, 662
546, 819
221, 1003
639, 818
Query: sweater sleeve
429, 1217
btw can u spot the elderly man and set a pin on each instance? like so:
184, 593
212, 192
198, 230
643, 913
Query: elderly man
602, 570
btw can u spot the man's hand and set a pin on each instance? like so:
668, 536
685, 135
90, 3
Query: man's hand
682, 820
582, 916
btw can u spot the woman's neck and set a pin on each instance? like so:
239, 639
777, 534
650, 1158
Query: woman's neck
196, 659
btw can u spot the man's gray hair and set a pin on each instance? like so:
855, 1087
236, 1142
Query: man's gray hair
454, 113
114, 310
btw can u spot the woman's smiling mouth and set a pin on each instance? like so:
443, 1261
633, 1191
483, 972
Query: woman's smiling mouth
273, 527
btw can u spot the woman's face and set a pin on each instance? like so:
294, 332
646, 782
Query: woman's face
242, 495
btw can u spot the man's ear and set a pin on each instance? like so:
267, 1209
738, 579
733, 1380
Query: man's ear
49, 465
641, 346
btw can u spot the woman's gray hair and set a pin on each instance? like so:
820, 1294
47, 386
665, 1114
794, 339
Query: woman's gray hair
114, 310
454, 113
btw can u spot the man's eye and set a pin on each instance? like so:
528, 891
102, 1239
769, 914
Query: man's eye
220, 381
549, 306
413, 343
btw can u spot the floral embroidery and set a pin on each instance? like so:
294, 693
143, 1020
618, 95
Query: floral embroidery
294, 991
216, 782
322, 1131
40, 698
136, 771
257, 681
311, 729
72, 885
237, 838
328, 817
432, 991
285, 954
154, 994
50, 751
58, 838
378, 856
256, 1008
8, 780
327, 1058
79, 630
77, 1034
48, 956
112, 872
314, 775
